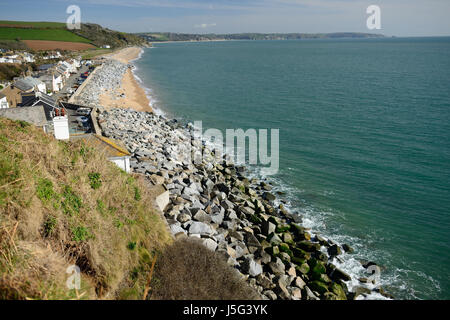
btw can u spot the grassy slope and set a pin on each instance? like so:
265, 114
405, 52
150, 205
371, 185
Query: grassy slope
56, 31
64, 203
7, 33
34, 24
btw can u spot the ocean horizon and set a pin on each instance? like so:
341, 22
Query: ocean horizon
364, 138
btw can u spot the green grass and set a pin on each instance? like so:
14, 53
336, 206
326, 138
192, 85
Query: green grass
95, 181
80, 234
35, 24
44, 189
92, 53
40, 34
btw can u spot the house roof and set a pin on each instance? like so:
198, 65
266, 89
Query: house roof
28, 99
33, 81
34, 98
23, 85
45, 67
111, 148
46, 99
34, 115
46, 77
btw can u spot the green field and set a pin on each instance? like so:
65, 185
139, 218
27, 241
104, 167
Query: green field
32, 24
40, 34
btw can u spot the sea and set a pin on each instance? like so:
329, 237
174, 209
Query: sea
364, 138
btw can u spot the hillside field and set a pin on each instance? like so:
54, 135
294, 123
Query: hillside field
32, 24
7, 33
57, 45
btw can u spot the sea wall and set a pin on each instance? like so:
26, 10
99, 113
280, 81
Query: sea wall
105, 78
232, 215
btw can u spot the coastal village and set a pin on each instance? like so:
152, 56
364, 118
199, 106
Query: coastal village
42, 98
241, 219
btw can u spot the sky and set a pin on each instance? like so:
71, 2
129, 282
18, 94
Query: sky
397, 17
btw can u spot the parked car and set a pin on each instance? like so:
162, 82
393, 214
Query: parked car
83, 111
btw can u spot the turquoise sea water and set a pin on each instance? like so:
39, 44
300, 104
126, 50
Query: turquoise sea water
364, 137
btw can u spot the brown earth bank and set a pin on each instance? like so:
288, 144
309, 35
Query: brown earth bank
53, 45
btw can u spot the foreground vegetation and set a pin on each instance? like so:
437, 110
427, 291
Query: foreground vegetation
65, 204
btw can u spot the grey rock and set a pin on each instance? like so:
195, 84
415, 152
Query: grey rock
202, 216
277, 267
200, 228
251, 267
210, 244
183, 217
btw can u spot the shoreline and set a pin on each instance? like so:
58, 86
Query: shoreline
232, 214
245, 221
130, 94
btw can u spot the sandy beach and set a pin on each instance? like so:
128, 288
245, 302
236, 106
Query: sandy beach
130, 94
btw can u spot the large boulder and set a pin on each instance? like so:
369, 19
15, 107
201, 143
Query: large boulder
210, 244
277, 267
200, 228
265, 282
338, 274
202, 216
251, 267
267, 227
318, 286
334, 250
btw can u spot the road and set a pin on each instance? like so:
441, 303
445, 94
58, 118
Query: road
70, 82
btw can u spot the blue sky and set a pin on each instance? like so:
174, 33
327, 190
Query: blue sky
398, 17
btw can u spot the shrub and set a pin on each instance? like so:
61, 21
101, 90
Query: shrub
94, 178
44, 189
187, 270
131, 245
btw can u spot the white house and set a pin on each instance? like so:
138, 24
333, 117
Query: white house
28, 57
53, 55
10, 59
54, 82
63, 70
71, 68
3, 101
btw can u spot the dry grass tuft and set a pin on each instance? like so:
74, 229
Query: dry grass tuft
187, 270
